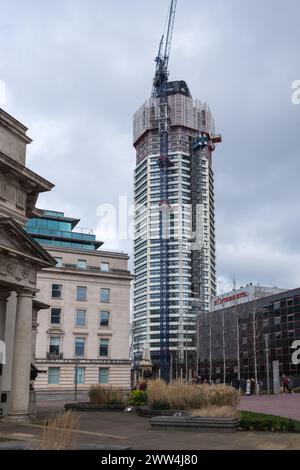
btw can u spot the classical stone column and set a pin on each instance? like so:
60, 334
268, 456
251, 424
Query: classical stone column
4, 294
35, 326
22, 356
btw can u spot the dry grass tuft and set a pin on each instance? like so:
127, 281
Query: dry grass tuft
100, 395
215, 412
184, 396
58, 432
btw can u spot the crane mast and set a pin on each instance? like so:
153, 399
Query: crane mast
159, 91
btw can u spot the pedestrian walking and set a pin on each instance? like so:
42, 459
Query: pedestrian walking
285, 383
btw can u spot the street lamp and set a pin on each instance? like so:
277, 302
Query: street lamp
267, 362
76, 378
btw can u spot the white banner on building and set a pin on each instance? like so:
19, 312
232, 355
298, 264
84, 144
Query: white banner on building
276, 378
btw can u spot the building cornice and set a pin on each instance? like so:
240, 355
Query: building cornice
100, 253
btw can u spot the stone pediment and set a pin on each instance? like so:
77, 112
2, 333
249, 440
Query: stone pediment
55, 330
16, 242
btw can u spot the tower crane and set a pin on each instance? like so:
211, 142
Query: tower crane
159, 91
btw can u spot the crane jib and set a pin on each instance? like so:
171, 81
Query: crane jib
160, 92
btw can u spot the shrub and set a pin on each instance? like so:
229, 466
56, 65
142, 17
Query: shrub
100, 395
261, 422
160, 405
138, 398
184, 396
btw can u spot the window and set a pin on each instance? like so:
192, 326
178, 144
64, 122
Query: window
103, 375
80, 375
81, 293
104, 318
104, 267
56, 291
79, 346
277, 320
103, 349
54, 345
105, 295
58, 262
81, 264
55, 316
53, 375
80, 318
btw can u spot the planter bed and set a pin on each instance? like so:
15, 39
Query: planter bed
86, 406
147, 412
185, 423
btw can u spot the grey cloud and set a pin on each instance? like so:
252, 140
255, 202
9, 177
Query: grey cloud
77, 70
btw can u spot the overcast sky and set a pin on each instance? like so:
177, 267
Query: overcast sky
76, 70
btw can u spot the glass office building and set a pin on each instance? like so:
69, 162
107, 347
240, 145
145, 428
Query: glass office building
53, 229
235, 340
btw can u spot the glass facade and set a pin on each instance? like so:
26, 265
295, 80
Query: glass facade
240, 333
56, 230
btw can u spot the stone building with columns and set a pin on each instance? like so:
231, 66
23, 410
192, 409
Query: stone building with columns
21, 258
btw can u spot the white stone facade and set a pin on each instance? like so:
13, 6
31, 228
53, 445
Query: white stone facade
84, 326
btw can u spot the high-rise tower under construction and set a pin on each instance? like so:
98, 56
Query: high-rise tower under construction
174, 243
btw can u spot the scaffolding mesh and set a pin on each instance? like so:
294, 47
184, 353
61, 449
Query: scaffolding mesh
183, 111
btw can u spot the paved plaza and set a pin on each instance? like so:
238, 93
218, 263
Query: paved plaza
287, 405
117, 430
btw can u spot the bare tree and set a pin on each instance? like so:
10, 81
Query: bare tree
254, 334
237, 325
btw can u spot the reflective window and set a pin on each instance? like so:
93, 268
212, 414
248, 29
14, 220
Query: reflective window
104, 318
104, 267
53, 375
56, 315
79, 346
81, 264
54, 345
103, 349
103, 375
105, 295
58, 262
79, 375
81, 293
56, 291
80, 318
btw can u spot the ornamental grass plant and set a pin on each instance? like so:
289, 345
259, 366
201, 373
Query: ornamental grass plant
184, 396
100, 395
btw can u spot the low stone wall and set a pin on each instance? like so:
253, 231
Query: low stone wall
185, 423
86, 406
147, 412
